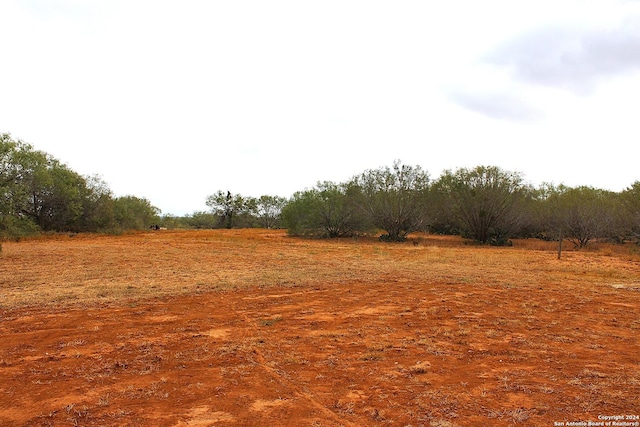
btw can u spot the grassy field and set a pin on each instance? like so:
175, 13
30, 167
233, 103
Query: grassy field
252, 327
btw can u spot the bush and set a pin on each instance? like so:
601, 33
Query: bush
323, 211
498, 238
12, 227
392, 238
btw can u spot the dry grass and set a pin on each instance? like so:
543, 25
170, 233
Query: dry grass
251, 327
88, 269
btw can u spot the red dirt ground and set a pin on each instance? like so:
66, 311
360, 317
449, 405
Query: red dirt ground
388, 335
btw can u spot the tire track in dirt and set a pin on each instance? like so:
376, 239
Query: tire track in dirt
357, 354
260, 359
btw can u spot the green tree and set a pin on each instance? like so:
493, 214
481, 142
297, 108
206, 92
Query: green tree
8, 182
203, 220
581, 214
134, 213
39, 188
37, 191
60, 198
327, 210
630, 202
228, 207
268, 210
13, 193
394, 199
98, 206
17, 160
484, 203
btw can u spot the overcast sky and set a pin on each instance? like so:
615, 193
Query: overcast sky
174, 100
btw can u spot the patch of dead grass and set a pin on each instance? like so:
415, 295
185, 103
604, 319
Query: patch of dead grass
347, 332
97, 269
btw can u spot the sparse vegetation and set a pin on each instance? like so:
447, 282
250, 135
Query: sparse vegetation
359, 333
486, 204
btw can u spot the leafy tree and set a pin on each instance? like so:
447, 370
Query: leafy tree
98, 206
485, 203
8, 178
581, 214
13, 191
38, 188
60, 198
300, 214
630, 201
16, 159
248, 217
228, 207
202, 220
134, 213
172, 221
327, 210
38, 192
268, 210
394, 199
35, 183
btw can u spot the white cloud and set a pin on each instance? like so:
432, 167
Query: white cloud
572, 58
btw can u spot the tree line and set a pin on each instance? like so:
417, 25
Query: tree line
39, 193
486, 204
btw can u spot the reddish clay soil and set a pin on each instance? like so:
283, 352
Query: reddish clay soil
387, 335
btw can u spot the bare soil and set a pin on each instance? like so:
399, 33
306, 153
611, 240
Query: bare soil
254, 328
